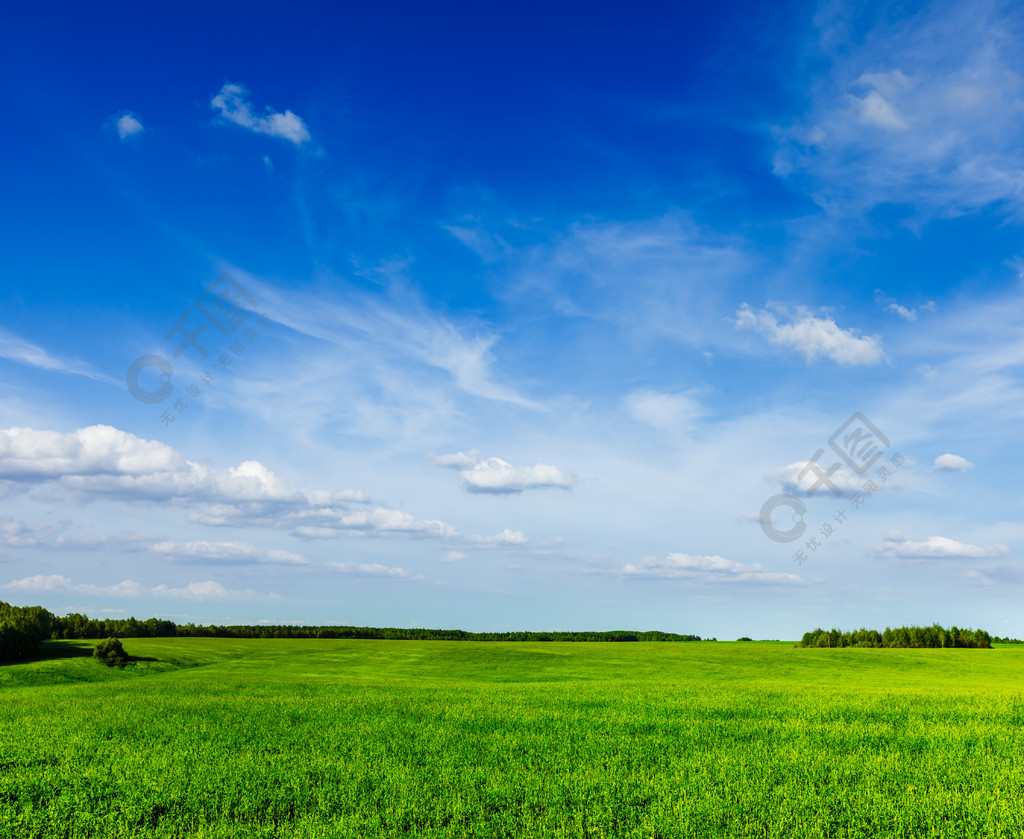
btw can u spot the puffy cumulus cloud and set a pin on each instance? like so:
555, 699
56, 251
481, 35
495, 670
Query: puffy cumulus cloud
803, 475
937, 547
127, 588
127, 125
496, 476
813, 337
233, 553
232, 104
101, 461
373, 569
104, 461
952, 463
707, 569
510, 537
667, 411
921, 109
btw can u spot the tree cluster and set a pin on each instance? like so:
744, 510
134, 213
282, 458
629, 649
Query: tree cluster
901, 636
22, 630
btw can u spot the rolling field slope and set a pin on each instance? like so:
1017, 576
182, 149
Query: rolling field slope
247, 738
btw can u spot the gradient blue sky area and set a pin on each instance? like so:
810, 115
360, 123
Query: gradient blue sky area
547, 302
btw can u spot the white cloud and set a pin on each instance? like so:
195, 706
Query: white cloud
373, 569
511, 537
902, 311
668, 411
127, 125
207, 590
790, 477
496, 476
952, 463
875, 109
813, 337
232, 104
459, 460
706, 569
385, 520
102, 460
453, 556
939, 547
127, 588
227, 552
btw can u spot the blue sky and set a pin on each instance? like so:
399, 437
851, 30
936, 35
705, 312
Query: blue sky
539, 308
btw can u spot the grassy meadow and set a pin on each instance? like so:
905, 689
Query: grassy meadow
308, 738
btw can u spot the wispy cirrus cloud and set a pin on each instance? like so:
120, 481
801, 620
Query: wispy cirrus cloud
17, 349
899, 309
667, 411
921, 109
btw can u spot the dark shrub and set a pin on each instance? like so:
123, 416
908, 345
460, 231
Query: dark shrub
111, 652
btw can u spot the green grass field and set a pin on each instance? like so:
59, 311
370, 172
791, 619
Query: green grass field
224, 738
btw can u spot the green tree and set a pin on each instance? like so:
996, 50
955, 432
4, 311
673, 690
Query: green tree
111, 652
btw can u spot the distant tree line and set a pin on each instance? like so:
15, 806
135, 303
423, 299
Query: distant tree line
997, 640
901, 636
22, 630
81, 626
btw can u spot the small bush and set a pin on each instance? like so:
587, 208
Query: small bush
111, 652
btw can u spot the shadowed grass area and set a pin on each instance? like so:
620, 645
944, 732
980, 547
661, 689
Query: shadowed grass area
239, 738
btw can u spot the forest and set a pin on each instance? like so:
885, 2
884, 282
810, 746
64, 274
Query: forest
22, 630
902, 636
